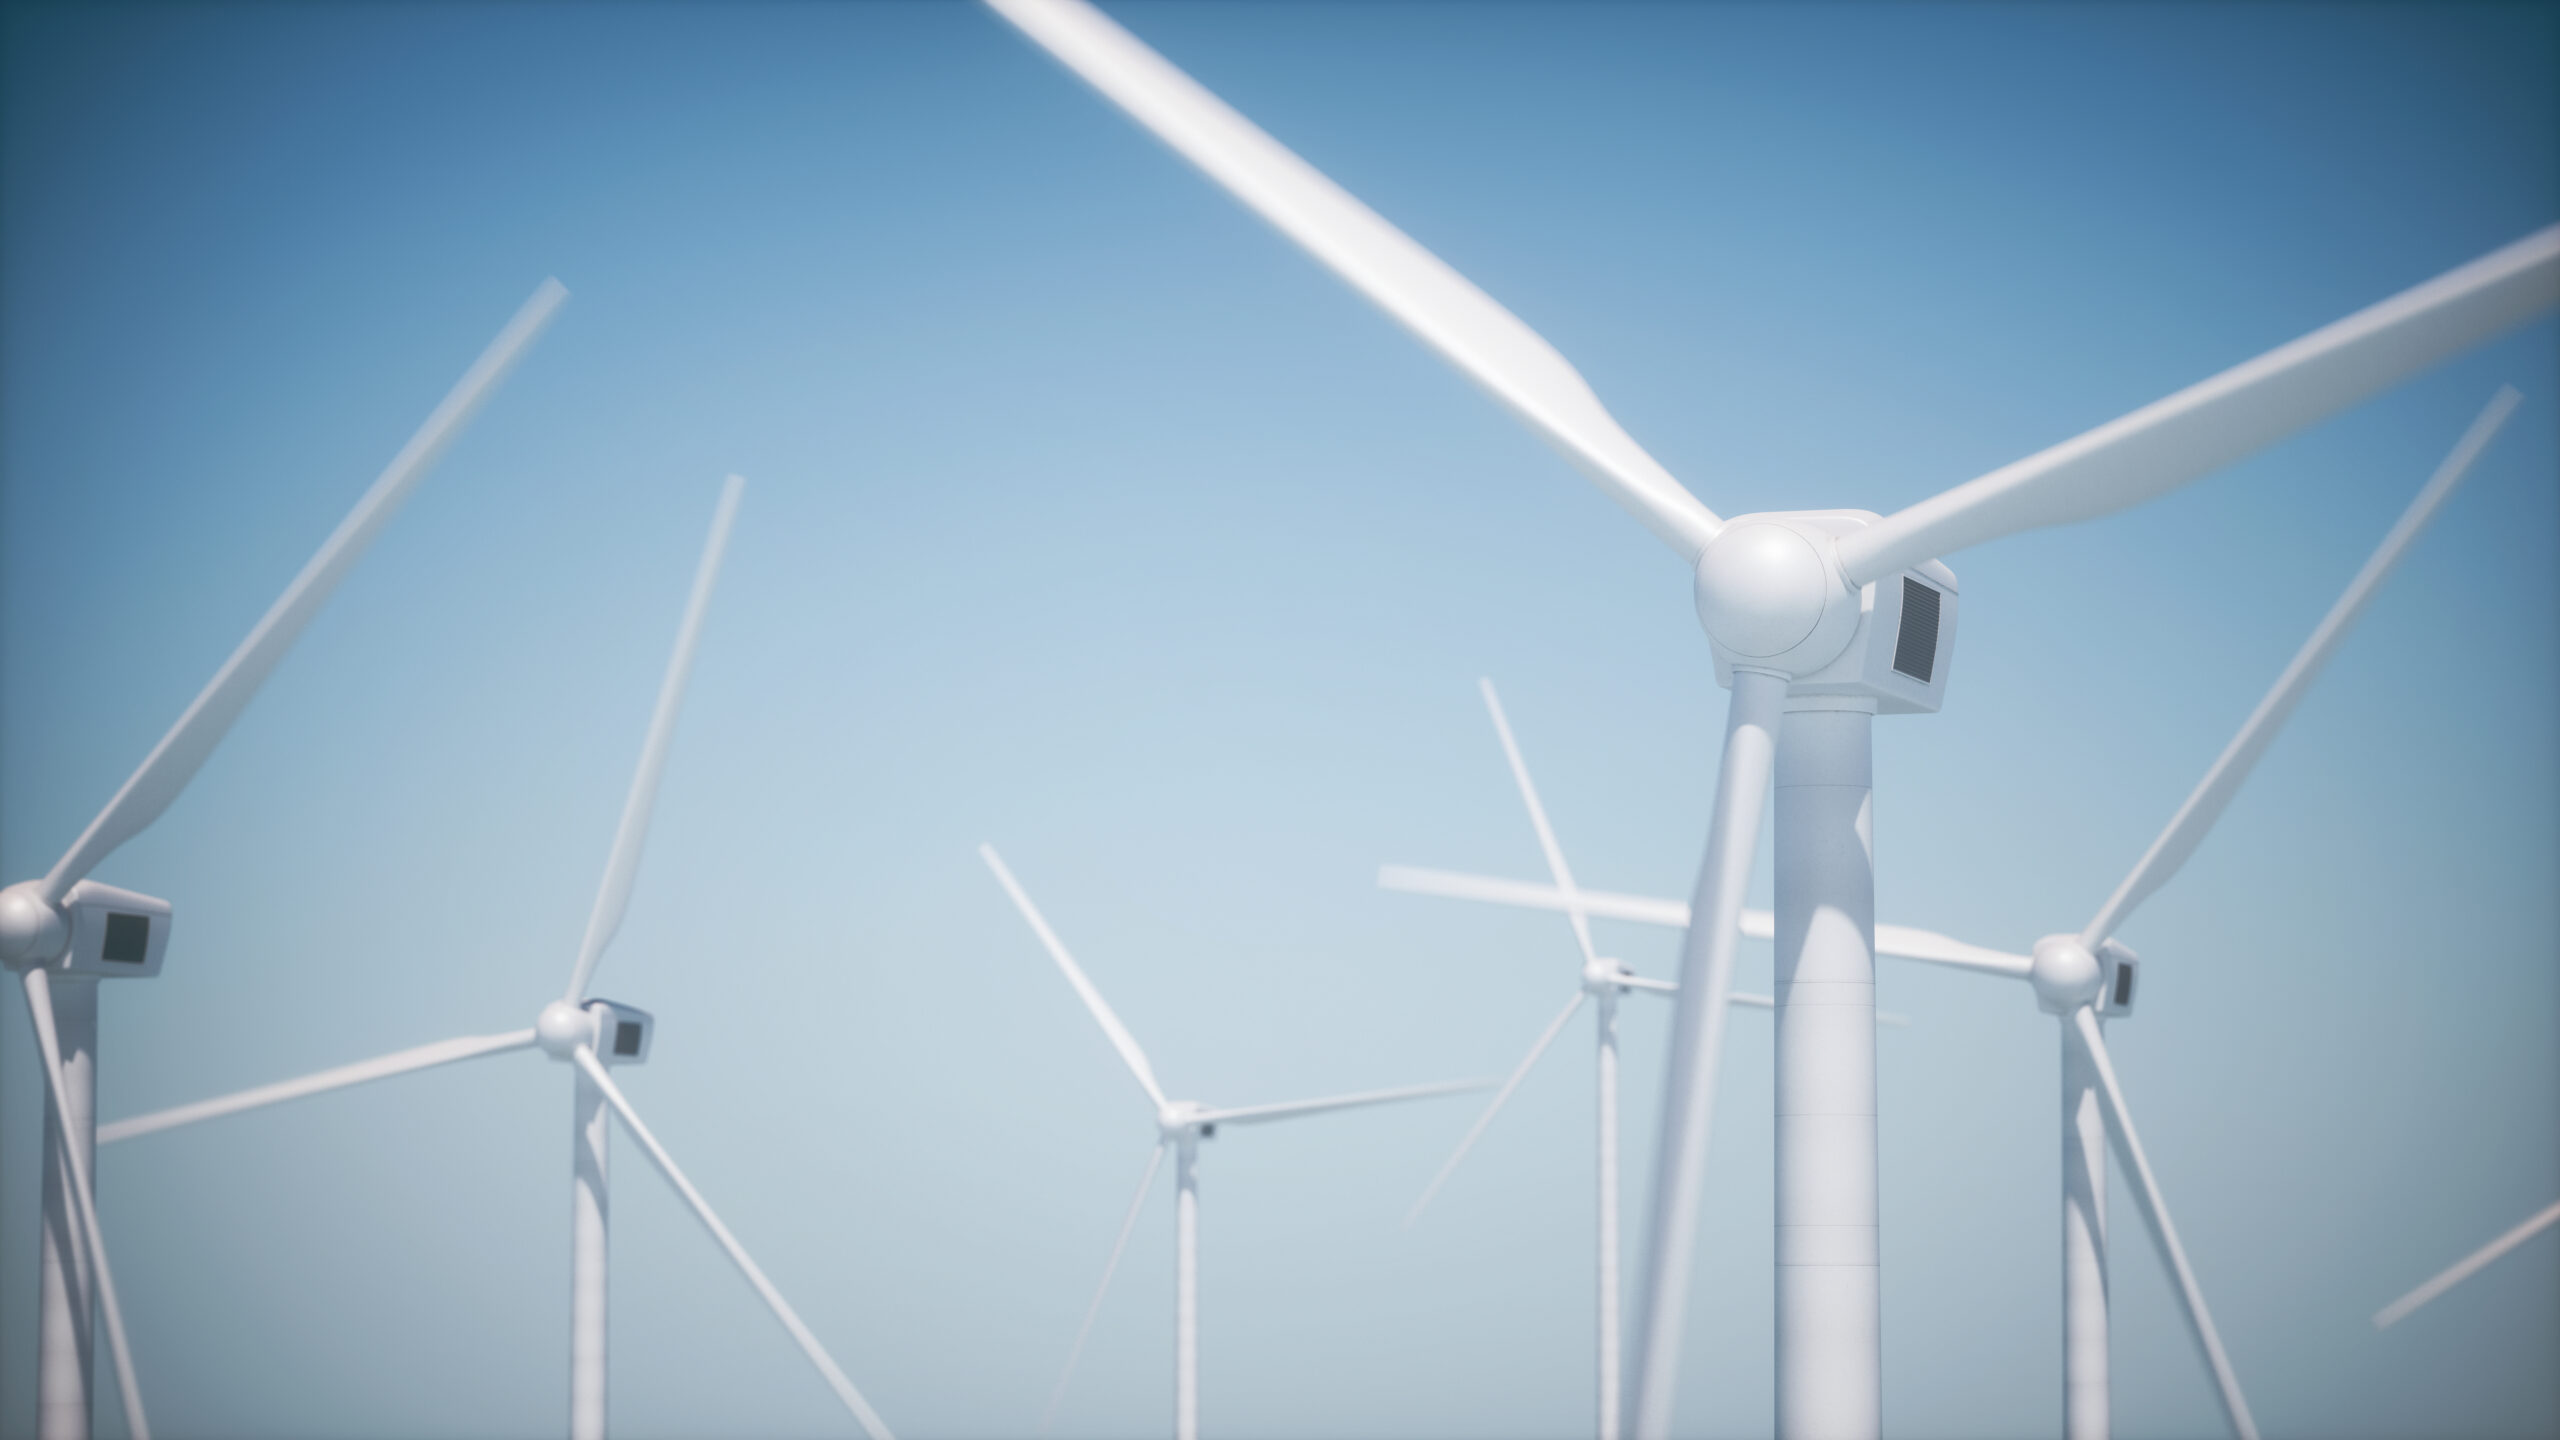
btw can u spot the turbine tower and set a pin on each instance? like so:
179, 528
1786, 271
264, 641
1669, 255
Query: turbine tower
592, 1036
1819, 620
1601, 981
66, 932
1180, 1125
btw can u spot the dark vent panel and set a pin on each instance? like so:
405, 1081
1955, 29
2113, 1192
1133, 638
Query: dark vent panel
626, 1038
128, 939
1915, 651
2124, 986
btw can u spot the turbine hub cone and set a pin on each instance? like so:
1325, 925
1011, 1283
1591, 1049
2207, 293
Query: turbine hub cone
31, 932
562, 1027
2066, 975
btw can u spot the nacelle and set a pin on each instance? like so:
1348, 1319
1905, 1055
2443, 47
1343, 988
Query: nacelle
623, 1032
1890, 642
2117, 963
114, 932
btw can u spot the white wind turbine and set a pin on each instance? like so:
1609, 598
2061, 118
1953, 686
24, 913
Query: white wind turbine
2084, 979
2463, 1269
1181, 1124
65, 932
1819, 620
590, 1034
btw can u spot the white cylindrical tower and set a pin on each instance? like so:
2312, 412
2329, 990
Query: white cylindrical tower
65, 1298
2085, 1406
1608, 1117
1829, 1333
1186, 1287
590, 1208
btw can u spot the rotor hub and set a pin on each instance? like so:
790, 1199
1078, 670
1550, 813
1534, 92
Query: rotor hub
2066, 974
1179, 1116
32, 933
1602, 976
1770, 594
562, 1027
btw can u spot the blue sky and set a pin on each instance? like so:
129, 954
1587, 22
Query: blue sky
1087, 517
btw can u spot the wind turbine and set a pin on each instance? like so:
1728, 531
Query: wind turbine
1182, 1125
2463, 1269
1601, 981
2087, 978
66, 932
591, 1035
1819, 620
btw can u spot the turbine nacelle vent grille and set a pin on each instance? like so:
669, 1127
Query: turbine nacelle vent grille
1915, 651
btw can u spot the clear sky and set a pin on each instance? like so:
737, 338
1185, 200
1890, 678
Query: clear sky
1087, 517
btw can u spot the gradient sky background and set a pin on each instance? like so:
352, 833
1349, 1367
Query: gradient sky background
1089, 518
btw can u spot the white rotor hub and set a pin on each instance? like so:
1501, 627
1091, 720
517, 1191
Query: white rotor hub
31, 932
564, 1026
1601, 976
1179, 1116
1771, 596
2066, 975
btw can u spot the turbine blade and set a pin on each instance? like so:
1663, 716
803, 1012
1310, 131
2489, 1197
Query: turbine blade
1121, 1039
1501, 1098
782, 1311
1672, 987
2470, 1265
1530, 895
1110, 1268
613, 897
1697, 1044
39, 987
2188, 827
1902, 942
381, 1067
1554, 852
1292, 1109
1929, 947
1469, 330
2212, 423
174, 761
2083, 1025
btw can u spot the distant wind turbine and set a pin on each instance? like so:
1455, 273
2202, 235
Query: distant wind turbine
591, 1035
1182, 1125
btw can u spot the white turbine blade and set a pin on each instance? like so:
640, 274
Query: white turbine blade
1901, 942
613, 897
174, 761
1554, 852
1121, 1039
381, 1067
39, 986
1672, 987
2188, 828
1501, 1098
1469, 330
1110, 1268
1292, 1109
2212, 423
2083, 1024
2470, 1265
1928, 946
1530, 895
1697, 1044
790, 1318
